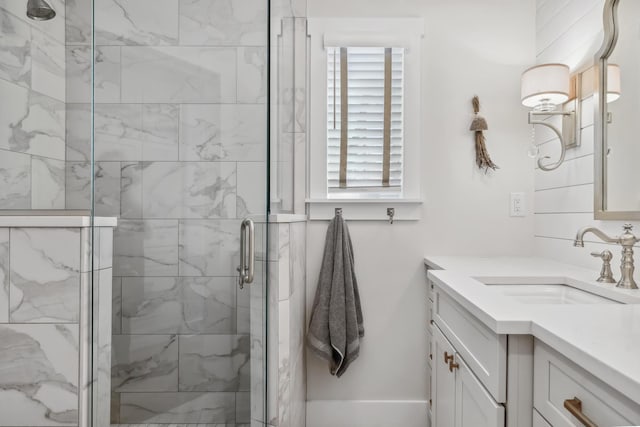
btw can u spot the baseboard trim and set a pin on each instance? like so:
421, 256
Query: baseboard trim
367, 413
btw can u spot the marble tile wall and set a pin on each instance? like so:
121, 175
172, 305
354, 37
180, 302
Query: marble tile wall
32, 109
180, 149
287, 373
44, 277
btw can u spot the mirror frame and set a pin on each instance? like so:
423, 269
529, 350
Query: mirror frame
611, 32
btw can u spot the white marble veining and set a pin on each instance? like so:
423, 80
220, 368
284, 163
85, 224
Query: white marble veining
145, 363
79, 68
189, 190
184, 305
78, 132
45, 275
124, 132
131, 190
178, 74
146, 248
184, 407
107, 187
30, 122
15, 180
116, 305
39, 375
137, 22
54, 28
209, 247
252, 75
4, 275
251, 190
589, 334
102, 312
78, 22
223, 132
47, 183
223, 22
15, 51
47, 66
214, 363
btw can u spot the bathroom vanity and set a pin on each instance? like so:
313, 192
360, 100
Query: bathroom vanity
530, 342
51, 310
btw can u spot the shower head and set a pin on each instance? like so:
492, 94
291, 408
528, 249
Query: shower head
39, 10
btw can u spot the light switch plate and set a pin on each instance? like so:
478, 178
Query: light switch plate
517, 205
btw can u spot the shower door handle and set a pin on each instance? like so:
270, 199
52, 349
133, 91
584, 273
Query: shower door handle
247, 253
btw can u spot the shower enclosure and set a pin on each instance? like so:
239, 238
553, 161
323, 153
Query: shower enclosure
153, 112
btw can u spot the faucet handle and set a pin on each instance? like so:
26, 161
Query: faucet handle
627, 227
604, 255
606, 275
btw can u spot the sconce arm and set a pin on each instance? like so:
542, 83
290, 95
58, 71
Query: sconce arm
563, 148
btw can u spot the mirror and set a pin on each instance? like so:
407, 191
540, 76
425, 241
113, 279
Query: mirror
617, 150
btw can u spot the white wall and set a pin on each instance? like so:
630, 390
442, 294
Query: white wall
569, 31
470, 48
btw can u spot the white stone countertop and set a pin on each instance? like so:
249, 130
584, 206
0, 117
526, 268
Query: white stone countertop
604, 339
62, 220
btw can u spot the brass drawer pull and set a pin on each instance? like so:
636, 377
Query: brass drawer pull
453, 366
448, 358
574, 406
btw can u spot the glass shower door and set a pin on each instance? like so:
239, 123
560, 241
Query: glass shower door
177, 99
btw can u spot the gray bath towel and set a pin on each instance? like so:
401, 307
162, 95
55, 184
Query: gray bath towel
336, 324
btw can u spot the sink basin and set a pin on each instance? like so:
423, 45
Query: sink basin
550, 294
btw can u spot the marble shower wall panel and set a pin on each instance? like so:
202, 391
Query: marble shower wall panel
179, 74
223, 22
178, 305
287, 302
39, 375
45, 275
180, 150
4, 275
32, 109
146, 248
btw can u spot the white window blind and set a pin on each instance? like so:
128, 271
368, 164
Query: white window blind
363, 161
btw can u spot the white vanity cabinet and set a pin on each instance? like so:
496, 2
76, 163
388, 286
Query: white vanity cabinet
558, 380
460, 346
460, 399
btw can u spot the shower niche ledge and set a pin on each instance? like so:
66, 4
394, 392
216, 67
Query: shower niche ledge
55, 295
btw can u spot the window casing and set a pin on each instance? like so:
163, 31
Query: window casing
364, 194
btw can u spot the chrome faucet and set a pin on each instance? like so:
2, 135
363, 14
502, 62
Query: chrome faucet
626, 240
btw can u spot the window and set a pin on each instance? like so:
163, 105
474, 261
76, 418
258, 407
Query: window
367, 156
365, 121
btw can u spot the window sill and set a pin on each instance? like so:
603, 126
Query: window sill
365, 209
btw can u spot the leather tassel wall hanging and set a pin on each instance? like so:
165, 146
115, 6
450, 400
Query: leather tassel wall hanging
479, 124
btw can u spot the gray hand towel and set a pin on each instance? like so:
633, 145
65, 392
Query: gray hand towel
336, 323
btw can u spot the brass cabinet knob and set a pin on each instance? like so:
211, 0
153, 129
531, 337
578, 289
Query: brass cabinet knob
448, 358
453, 366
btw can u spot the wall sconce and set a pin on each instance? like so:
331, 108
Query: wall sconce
614, 82
543, 88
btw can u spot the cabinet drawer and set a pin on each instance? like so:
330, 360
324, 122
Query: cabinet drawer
483, 350
538, 421
557, 379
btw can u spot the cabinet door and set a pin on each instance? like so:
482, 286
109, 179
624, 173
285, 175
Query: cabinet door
443, 382
474, 405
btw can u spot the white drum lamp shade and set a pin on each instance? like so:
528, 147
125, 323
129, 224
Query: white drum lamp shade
545, 86
614, 82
